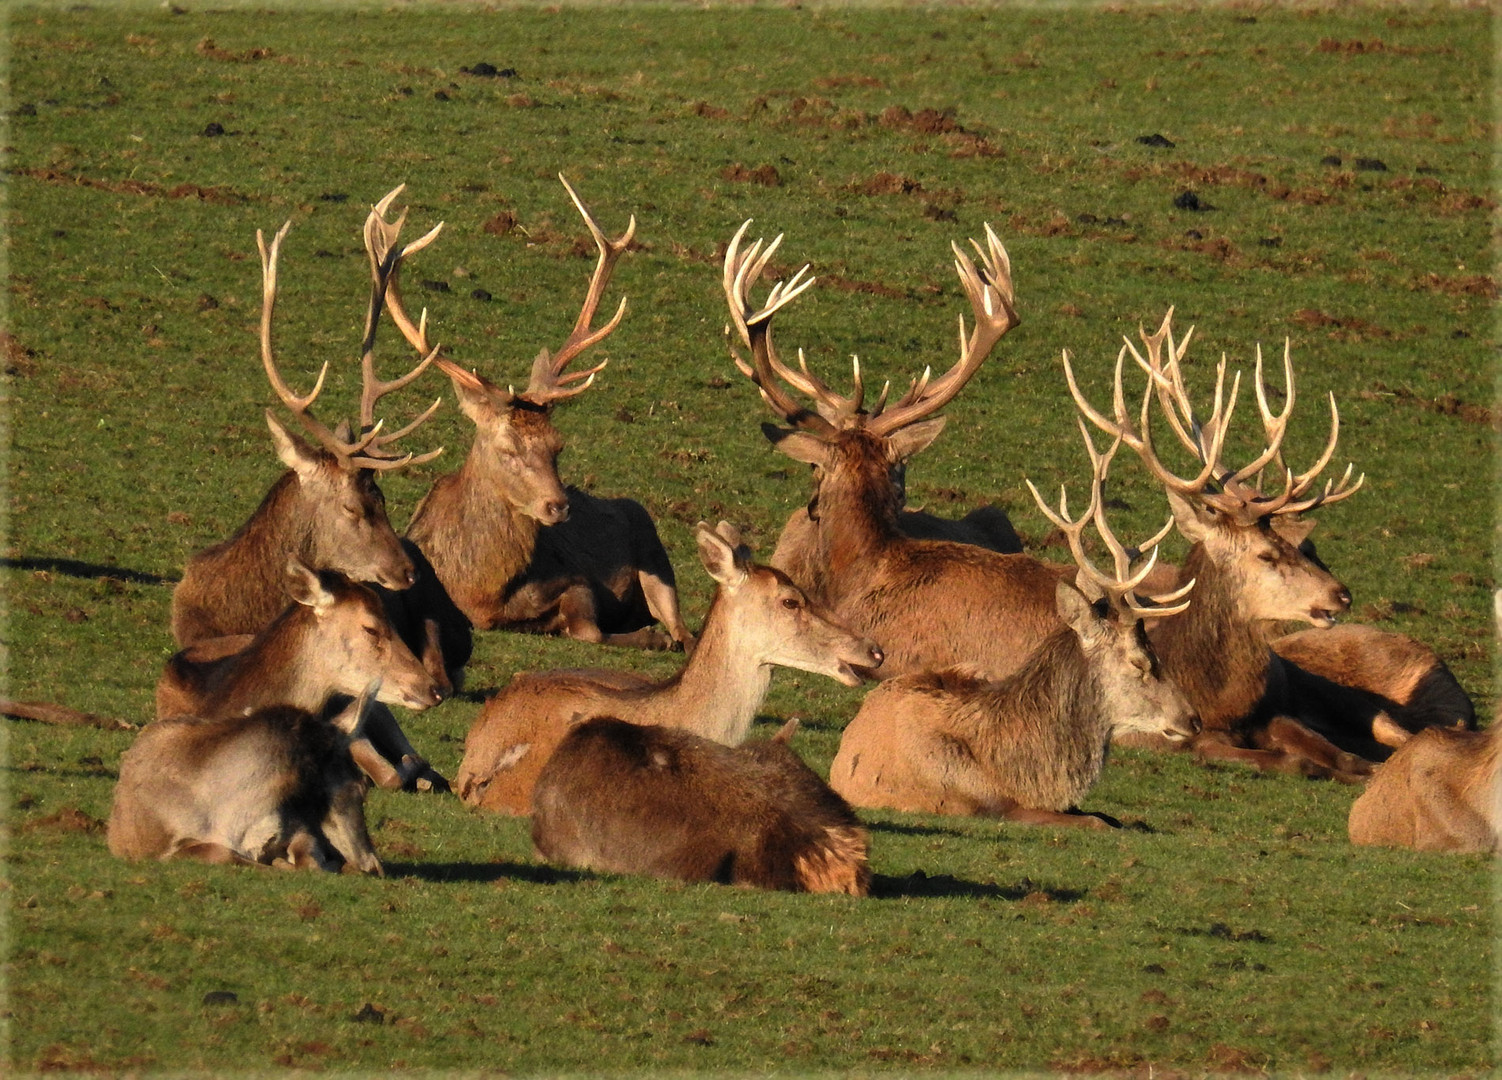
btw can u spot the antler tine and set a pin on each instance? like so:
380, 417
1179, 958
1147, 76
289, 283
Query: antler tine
992, 302
741, 272
380, 240
546, 384
298, 405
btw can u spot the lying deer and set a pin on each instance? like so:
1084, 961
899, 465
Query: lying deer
1250, 576
758, 619
1028, 747
332, 640
642, 799
326, 510
275, 787
512, 546
930, 603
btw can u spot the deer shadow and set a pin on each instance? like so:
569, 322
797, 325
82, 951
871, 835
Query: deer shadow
921, 885
79, 569
462, 872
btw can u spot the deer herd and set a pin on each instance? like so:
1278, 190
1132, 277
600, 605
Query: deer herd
1001, 678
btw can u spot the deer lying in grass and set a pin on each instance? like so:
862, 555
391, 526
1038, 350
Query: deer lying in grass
758, 619
332, 640
1250, 576
1028, 747
642, 799
276, 787
512, 547
930, 603
326, 511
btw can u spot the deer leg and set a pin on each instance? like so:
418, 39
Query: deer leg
1298, 741
579, 614
373, 765
1074, 819
389, 741
209, 852
661, 594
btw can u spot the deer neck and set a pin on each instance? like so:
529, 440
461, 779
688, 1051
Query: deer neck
857, 519
1056, 706
720, 689
1219, 658
466, 526
279, 667
255, 558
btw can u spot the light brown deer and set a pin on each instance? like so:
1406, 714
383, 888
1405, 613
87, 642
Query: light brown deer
758, 619
326, 511
1441, 791
1026, 748
512, 546
332, 640
1250, 576
642, 799
930, 603
276, 787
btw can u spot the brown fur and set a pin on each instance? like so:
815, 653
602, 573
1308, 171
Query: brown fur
516, 551
331, 640
323, 512
275, 787
758, 618
1440, 791
1027, 747
627, 798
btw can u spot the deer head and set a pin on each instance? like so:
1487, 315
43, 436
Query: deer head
1249, 535
515, 442
1103, 610
349, 530
839, 434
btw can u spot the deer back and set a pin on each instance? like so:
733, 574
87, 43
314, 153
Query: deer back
626, 798
1440, 791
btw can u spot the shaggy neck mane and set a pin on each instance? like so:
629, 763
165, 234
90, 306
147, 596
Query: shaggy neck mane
1220, 659
857, 506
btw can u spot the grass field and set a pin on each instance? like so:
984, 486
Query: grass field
1341, 161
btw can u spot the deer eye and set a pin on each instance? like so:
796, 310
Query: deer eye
792, 603
373, 631
354, 513
1268, 557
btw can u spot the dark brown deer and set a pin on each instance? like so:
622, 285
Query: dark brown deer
758, 619
930, 603
512, 546
332, 640
276, 787
640, 799
1028, 747
326, 511
1250, 576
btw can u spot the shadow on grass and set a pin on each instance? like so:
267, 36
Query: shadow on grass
75, 568
905, 829
486, 872
921, 885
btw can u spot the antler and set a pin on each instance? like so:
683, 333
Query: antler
548, 383
366, 451
1120, 586
742, 271
1205, 439
992, 301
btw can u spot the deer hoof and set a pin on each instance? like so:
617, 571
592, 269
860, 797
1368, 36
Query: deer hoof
429, 780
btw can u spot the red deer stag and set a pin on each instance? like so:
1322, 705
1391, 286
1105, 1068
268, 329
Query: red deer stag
325, 511
1028, 747
930, 603
758, 619
1250, 576
332, 640
512, 547
625, 798
276, 787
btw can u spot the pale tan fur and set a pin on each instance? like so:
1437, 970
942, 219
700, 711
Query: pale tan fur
275, 787
1027, 747
759, 618
1440, 791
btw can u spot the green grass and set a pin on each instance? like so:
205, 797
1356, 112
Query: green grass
1237, 930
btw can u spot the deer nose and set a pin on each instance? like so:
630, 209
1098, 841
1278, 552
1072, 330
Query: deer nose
876, 655
1343, 599
556, 511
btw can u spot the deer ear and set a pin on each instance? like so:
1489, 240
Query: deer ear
905, 442
351, 719
798, 445
305, 587
292, 451
474, 401
1077, 612
1192, 519
719, 557
1294, 531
